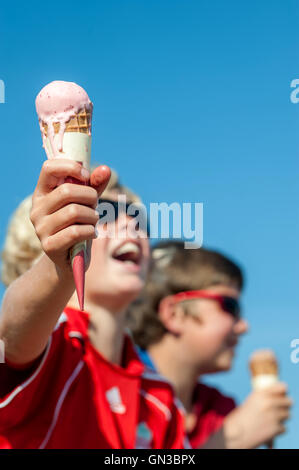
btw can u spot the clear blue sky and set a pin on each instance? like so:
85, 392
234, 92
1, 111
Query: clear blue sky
192, 103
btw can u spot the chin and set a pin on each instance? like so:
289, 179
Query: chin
121, 290
224, 364
129, 287
225, 367
214, 368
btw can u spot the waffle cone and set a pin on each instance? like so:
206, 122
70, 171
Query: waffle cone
263, 362
80, 122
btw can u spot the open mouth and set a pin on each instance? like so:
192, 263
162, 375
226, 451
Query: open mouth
129, 253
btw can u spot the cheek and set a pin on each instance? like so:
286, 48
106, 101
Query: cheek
146, 257
211, 337
221, 331
99, 258
223, 328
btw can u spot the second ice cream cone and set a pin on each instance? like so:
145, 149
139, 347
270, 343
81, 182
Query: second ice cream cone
264, 369
263, 366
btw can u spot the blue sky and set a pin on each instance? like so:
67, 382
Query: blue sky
192, 103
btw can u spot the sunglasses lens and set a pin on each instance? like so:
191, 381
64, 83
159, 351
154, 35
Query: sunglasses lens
139, 212
109, 212
232, 306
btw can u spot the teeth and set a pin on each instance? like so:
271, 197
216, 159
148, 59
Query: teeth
127, 248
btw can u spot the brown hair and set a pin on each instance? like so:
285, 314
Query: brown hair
175, 269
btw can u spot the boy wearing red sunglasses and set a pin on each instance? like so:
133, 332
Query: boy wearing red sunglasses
187, 324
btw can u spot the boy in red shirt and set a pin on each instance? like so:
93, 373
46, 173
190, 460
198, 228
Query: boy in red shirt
187, 324
73, 379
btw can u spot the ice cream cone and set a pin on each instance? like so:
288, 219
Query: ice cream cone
65, 113
80, 122
76, 142
264, 369
264, 373
72, 141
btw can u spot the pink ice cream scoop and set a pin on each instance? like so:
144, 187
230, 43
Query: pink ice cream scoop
65, 112
57, 105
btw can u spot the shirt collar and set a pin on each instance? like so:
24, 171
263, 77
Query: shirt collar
131, 362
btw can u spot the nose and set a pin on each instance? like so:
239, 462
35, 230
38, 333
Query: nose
241, 327
124, 223
130, 226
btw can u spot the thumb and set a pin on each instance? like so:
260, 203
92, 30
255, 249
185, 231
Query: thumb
100, 178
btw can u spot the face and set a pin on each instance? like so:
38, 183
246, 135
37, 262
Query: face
119, 261
209, 334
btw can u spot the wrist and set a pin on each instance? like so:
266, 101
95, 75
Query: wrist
234, 431
65, 273
62, 275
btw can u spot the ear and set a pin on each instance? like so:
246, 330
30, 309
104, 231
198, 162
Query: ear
172, 316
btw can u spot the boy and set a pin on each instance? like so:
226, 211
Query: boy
187, 324
73, 379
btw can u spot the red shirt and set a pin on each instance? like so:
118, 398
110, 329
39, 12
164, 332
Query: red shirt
210, 407
75, 398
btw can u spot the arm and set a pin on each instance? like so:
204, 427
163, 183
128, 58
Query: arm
259, 419
62, 216
30, 309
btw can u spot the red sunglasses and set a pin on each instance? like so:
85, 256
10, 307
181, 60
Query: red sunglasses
228, 304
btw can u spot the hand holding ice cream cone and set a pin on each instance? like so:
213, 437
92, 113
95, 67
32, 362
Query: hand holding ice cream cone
261, 417
65, 111
264, 373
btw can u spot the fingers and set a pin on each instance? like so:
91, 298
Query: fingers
63, 195
278, 396
280, 402
281, 408
285, 402
270, 444
280, 388
71, 214
100, 178
281, 429
283, 415
67, 238
54, 172
64, 214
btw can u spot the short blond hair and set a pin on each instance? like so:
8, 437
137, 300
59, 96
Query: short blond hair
22, 247
115, 186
